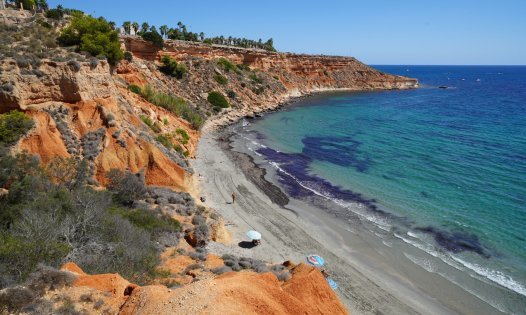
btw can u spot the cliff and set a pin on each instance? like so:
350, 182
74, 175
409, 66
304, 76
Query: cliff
271, 79
306, 292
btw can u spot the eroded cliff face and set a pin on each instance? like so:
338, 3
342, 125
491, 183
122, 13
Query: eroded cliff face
306, 292
82, 111
306, 73
280, 75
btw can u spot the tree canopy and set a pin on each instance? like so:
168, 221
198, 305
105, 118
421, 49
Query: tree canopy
93, 35
180, 32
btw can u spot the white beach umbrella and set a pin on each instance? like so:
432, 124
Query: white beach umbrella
254, 235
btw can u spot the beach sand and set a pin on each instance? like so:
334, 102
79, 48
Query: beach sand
372, 280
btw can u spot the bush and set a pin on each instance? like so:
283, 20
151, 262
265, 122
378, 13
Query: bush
128, 56
48, 278
221, 270
148, 221
127, 187
154, 126
231, 94
21, 254
174, 104
217, 100
245, 264
153, 37
14, 125
94, 36
184, 135
134, 88
171, 67
15, 298
202, 234
55, 14
228, 65
75, 65
220, 79
198, 220
198, 256
165, 141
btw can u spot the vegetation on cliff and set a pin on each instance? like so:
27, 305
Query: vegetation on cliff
95, 36
49, 215
13, 126
172, 103
172, 67
218, 100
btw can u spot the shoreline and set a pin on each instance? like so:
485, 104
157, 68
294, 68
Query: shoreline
367, 285
231, 116
292, 236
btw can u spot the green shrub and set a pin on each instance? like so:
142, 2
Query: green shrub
128, 56
148, 221
165, 141
171, 67
55, 14
255, 78
184, 135
154, 126
228, 65
126, 187
217, 100
134, 88
21, 256
174, 104
14, 125
231, 94
220, 79
94, 36
153, 37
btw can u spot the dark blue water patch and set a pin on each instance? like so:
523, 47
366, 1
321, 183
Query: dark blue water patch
456, 241
341, 151
303, 184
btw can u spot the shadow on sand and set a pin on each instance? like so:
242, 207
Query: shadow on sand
246, 244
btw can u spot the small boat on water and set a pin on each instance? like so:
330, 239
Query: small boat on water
478, 80
443, 87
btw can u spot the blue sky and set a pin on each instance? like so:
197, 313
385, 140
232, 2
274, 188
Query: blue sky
374, 31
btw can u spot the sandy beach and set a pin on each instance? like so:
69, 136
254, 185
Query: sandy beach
371, 281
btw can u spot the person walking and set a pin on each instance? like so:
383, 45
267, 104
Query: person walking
233, 197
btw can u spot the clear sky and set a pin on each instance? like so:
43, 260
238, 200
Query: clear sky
404, 32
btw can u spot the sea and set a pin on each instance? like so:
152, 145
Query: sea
441, 168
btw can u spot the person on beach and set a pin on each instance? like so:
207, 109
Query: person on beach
233, 198
325, 273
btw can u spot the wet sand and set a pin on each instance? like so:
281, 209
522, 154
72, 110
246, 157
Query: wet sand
372, 280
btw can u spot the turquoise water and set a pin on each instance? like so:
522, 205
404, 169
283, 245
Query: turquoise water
446, 165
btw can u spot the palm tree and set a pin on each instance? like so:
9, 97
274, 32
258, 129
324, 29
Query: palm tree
202, 36
180, 25
144, 27
112, 25
164, 30
126, 26
135, 27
